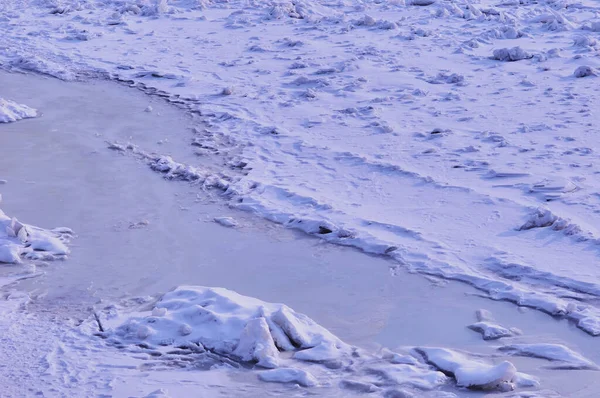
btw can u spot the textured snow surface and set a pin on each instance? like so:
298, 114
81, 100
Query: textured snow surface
230, 324
221, 326
10, 111
395, 127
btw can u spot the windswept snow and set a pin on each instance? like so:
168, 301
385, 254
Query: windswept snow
11, 111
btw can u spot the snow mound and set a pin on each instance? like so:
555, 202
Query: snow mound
584, 71
543, 218
567, 358
11, 111
490, 330
18, 240
470, 373
511, 54
230, 324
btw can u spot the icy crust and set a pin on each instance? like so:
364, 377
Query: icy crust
231, 324
242, 331
18, 240
10, 111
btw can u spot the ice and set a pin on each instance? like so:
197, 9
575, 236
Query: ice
289, 375
490, 330
564, 357
11, 111
471, 373
226, 221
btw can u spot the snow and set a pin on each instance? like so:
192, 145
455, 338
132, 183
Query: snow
288, 375
228, 324
322, 136
18, 241
489, 329
456, 139
11, 111
566, 358
471, 373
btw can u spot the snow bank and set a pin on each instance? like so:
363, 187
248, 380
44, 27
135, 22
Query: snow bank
230, 324
18, 240
470, 373
11, 111
567, 358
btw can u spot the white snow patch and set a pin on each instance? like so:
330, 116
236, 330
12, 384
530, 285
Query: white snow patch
470, 373
18, 240
227, 323
289, 375
566, 358
10, 111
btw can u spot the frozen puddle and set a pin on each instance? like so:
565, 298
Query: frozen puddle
139, 236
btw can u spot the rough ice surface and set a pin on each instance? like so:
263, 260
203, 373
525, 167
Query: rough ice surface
10, 111
561, 356
471, 373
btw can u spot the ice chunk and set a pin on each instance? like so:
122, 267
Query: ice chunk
488, 329
567, 358
11, 111
227, 323
289, 375
256, 344
468, 372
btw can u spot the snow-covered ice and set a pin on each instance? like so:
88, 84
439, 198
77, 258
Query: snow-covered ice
489, 329
457, 139
564, 357
10, 111
369, 124
471, 373
228, 324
